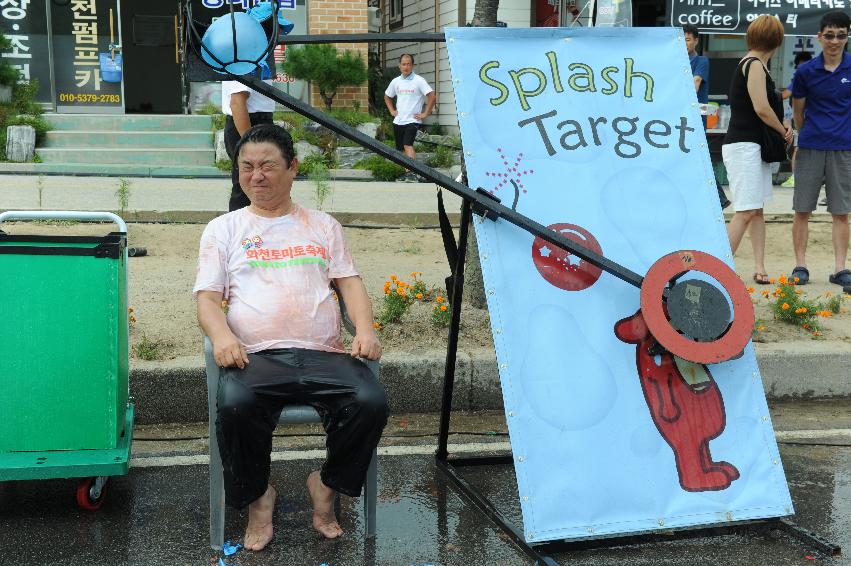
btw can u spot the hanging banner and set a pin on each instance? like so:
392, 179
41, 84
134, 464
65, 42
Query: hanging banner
88, 72
24, 24
596, 133
799, 17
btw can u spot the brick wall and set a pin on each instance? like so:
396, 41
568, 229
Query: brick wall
340, 16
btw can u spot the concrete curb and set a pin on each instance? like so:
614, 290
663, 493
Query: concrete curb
175, 391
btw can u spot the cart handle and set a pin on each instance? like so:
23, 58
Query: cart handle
63, 215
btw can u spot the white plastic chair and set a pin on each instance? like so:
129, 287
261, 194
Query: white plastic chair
292, 414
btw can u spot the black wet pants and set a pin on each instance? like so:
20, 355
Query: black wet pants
238, 198
351, 402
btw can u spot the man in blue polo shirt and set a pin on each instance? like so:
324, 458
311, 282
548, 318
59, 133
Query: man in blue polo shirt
821, 103
700, 72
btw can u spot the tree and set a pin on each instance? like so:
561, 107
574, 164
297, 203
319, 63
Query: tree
326, 68
484, 14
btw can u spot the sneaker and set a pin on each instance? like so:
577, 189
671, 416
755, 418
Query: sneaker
789, 183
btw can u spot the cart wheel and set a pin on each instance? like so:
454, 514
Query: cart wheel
91, 493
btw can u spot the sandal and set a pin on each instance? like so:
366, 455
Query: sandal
842, 278
761, 278
801, 274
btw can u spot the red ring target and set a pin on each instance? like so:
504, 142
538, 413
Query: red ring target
652, 307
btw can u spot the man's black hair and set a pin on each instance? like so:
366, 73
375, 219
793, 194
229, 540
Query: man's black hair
802, 57
835, 19
403, 55
271, 133
692, 29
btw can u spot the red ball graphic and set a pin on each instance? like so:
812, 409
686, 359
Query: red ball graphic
562, 269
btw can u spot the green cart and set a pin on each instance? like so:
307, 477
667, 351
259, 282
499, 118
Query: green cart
64, 396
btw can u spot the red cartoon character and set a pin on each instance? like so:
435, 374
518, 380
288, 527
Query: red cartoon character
686, 407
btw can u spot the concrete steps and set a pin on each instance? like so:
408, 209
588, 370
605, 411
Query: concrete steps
141, 139
115, 145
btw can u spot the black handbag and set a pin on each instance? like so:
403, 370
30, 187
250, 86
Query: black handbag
772, 145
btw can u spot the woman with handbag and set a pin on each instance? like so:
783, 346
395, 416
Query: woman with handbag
755, 137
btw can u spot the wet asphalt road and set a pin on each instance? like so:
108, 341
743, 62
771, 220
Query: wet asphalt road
158, 516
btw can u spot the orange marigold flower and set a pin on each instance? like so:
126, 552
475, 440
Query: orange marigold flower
439, 299
765, 293
376, 325
393, 278
797, 279
132, 318
782, 280
760, 328
751, 290
825, 314
805, 326
816, 333
798, 291
785, 306
419, 295
443, 308
801, 310
130, 310
414, 274
771, 280
400, 292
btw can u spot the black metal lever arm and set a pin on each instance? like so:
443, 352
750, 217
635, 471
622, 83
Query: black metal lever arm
481, 201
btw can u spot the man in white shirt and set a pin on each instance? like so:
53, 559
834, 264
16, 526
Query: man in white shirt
410, 91
244, 108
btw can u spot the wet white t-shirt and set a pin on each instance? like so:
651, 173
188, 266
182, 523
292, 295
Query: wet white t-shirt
410, 93
276, 275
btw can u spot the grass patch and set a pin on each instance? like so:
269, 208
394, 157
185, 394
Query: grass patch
382, 169
151, 350
442, 157
224, 164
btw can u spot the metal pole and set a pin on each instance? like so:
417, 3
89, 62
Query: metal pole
454, 326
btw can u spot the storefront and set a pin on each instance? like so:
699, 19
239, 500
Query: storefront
116, 57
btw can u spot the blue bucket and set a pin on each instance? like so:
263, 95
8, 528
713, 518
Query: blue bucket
110, 69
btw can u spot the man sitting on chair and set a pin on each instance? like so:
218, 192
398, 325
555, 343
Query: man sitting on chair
279, 343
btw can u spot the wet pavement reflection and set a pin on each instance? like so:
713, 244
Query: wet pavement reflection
159, 516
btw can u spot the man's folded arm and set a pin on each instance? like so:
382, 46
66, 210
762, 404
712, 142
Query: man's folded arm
365, 343
227, 349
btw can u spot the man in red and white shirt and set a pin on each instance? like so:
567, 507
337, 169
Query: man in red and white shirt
279, 343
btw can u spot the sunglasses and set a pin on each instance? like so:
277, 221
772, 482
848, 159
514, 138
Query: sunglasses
831, 36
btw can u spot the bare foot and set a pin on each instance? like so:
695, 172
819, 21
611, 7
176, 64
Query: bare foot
322, 496
258, 533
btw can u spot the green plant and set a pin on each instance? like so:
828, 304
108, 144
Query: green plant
441, 314
790, 304
326, 68
442, 157
353, 118
217, 116
224, 164
397, 300
37, 158
382, 169
321, 179
150, 350
39, 185
24, 98
312, 161
122, 193
9, 75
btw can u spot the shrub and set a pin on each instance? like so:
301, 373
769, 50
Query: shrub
442, 157
382, 169
327, 69
313, 161
321, 179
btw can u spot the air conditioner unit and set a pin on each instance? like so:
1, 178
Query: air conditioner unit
374, 19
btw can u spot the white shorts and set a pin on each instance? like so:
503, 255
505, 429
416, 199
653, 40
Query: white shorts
749, 176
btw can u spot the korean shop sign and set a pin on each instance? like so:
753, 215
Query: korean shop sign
88, 74
799, 17
24, 23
